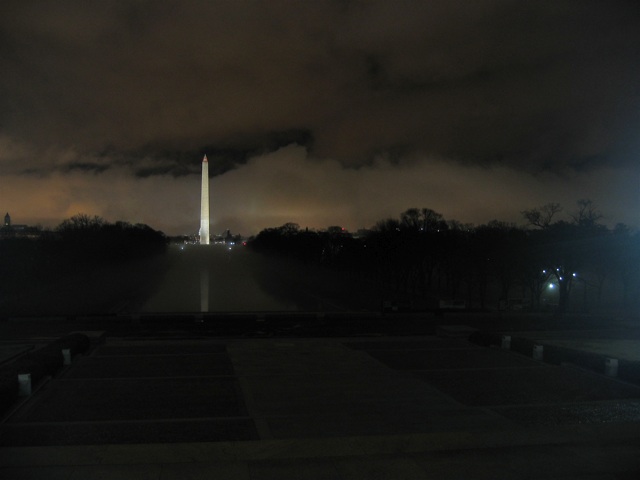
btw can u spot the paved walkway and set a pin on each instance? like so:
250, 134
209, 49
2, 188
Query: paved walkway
343, 408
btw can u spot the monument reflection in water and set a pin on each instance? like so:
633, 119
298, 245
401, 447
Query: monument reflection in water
204, 289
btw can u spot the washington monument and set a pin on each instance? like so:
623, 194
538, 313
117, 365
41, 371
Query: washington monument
204, 203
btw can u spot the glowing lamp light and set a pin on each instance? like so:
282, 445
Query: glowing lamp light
551, 286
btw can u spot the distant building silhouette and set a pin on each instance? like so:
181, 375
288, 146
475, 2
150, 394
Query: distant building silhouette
18, 231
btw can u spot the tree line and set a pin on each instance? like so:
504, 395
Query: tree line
550, 263
78, 246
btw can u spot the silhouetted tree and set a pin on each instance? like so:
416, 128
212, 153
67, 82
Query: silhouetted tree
86, 240
542, 216
420, 254
587, 215
81, 223
77, 249
502, 245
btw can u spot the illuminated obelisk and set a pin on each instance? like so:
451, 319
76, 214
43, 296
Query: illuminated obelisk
204, 203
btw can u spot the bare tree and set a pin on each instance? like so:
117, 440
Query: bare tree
81, 221
423, 219
587, 214
541, 217
289, 228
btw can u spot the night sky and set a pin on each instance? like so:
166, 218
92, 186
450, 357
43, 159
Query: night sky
317, 112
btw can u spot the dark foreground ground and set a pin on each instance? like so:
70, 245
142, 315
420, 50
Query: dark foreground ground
324, 396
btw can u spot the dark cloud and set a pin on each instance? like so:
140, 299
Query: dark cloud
236, 150
535, 84
223, 156
85, 167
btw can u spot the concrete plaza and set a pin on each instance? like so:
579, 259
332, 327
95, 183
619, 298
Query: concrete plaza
187, 406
